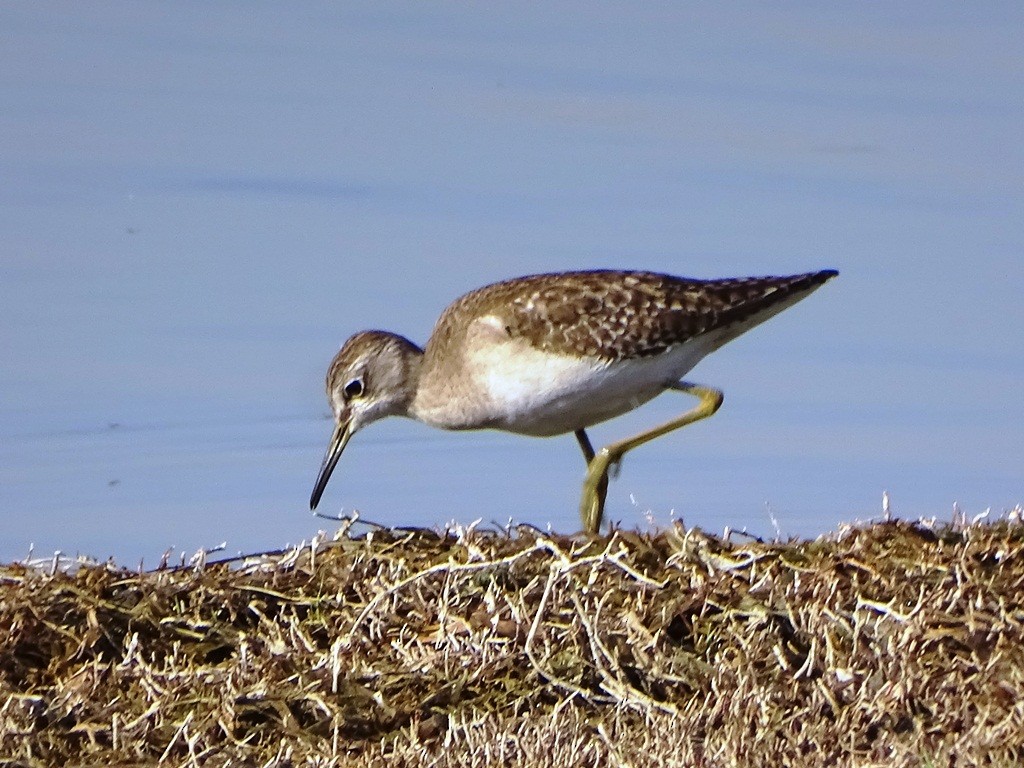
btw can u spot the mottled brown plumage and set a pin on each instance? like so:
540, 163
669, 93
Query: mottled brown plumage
617, 315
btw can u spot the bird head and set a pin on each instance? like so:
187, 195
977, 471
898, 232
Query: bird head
372, 376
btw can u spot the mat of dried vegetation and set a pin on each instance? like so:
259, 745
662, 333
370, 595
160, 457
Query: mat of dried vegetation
889, 644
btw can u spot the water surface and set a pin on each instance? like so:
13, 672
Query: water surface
201, 201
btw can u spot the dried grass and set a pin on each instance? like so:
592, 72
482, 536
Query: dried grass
894, 644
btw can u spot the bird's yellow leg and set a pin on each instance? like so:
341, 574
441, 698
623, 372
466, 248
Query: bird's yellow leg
595, 486
602, 486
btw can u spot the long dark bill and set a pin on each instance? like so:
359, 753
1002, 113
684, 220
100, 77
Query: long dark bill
338, 442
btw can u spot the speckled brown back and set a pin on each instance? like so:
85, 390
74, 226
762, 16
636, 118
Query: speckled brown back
616, 315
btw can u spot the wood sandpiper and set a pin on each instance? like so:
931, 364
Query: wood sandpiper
551, 354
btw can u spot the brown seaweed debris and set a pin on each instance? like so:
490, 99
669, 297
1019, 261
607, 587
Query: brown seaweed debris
895, 644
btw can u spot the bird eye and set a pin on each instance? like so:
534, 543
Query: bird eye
354, 389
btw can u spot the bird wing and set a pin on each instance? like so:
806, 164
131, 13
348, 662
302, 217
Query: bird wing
616, 315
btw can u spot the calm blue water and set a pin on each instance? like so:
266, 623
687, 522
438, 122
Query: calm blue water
200, 201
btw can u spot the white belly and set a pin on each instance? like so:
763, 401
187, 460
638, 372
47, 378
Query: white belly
535, 393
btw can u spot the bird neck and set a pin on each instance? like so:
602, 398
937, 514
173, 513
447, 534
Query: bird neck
412, 359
